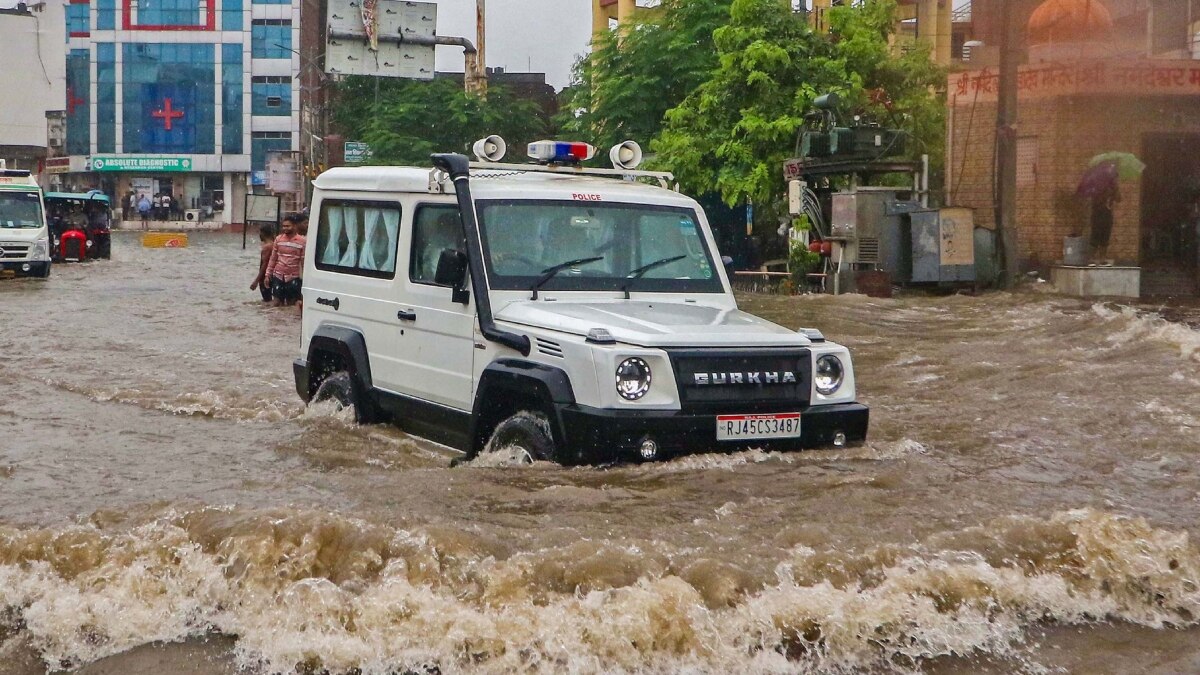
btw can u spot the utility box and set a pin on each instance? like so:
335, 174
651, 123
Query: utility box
885, 230
941, 247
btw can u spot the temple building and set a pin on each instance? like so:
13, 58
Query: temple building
1098, 77
180, 96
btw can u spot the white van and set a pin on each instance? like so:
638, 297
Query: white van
24, 236
570, 315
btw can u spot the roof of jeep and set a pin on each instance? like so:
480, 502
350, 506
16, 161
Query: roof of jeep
488, 183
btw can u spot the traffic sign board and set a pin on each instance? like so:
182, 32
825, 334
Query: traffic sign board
356, 153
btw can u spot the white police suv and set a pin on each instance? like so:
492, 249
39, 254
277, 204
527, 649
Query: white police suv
572, 315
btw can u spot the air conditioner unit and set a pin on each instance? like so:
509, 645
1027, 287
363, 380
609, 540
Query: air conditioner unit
192, 215
55, 142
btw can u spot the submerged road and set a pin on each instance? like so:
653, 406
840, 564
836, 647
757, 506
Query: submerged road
1025, 503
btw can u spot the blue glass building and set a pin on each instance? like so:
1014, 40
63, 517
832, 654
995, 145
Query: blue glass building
181, 96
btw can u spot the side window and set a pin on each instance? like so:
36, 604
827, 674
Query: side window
435, 229
357, 236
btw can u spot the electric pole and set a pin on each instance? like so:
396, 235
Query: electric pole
1006, 146
480, 39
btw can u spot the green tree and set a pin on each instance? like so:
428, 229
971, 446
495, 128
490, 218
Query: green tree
632, 78
404, 121
732, 134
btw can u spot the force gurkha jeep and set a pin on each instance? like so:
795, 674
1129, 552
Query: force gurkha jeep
570, 315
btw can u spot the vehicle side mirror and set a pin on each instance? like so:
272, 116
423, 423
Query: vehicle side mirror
451, 268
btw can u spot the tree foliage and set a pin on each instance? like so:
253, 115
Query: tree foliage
634, 76
732, 134
407, 120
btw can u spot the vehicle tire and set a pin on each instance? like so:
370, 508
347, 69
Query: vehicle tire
528, 433
341, 388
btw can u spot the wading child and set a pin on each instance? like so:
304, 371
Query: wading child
262, 283
286, 264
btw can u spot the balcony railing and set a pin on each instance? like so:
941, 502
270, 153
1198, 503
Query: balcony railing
961, 12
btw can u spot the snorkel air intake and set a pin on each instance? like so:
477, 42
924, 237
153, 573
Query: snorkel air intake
459, 169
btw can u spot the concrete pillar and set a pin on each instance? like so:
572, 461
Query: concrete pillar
927, 24
819, 19
625, 10
599, 18
945, 33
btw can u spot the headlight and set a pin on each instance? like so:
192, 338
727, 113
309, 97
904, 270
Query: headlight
89, 243
830, 374
57, 241
41, 251
633, 379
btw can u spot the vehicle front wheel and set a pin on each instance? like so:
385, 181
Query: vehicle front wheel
340, 388
525, 436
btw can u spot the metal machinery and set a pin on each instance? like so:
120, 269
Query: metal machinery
873, 236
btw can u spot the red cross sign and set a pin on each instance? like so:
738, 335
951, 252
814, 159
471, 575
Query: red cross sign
166, 114
72, 101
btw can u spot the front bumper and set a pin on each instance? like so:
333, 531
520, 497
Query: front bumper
36, 268
594, 435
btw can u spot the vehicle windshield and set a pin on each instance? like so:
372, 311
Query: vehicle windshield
20, 210
645, 247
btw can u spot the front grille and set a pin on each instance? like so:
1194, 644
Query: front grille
744, 380
14, 251
73, 249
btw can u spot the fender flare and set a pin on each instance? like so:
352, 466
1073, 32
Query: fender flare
347, 343
545, 383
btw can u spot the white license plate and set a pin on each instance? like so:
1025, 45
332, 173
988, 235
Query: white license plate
757, 427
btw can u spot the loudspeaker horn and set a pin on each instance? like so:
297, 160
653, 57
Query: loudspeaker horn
627, 155
490, 149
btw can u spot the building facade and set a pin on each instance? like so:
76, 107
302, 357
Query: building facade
31, 55
1098, 77
185, 97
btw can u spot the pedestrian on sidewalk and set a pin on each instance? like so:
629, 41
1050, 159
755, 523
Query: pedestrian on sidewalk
262, 282
287, 264
143, 207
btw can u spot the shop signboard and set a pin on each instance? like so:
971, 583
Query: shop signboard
357, 153
58, 165
157, 163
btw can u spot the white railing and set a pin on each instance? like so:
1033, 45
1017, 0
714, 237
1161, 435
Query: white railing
961, 12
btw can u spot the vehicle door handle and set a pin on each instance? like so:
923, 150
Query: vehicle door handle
334, 303
406, 315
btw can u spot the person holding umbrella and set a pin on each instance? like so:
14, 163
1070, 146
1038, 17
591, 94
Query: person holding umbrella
1100, 184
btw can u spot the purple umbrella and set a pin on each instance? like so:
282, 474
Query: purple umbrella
1098, 180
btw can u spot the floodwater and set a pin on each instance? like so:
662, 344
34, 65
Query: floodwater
1026, 503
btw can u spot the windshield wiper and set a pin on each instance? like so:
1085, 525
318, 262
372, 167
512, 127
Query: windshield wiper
551, 272
637, 274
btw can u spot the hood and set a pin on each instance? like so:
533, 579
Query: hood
654, 324
22, 235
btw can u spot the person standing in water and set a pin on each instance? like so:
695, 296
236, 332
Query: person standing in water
287, 264
262, 282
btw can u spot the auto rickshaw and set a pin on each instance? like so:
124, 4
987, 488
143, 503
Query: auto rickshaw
80, 224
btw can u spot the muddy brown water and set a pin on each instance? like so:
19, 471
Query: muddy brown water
1025, 503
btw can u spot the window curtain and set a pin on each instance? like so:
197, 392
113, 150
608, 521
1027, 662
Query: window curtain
370, 256
332, 253
391, 223
350, 257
